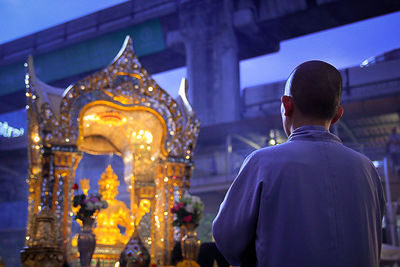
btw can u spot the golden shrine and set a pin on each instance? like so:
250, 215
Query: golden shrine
120, 110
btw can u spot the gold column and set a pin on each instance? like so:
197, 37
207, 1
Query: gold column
34, 187
34, 179
169, 182
44, 248
65, 164
158, 246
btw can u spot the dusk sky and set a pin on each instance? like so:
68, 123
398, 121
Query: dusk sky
344, 46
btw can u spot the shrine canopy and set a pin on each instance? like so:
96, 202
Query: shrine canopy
122, 97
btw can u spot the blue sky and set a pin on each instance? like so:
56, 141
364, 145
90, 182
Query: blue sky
344, 46
22, 17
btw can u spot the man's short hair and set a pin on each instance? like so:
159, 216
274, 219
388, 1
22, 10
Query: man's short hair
316, 89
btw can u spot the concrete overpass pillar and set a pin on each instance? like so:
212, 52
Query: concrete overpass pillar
212, 59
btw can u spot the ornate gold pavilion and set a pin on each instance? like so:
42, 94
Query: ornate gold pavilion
119, 109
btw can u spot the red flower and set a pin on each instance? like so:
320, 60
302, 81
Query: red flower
180, 205
187, 219
75, 187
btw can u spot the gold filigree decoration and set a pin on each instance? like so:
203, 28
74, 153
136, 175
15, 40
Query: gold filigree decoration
127, 83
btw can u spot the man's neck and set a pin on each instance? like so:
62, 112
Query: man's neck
306, 121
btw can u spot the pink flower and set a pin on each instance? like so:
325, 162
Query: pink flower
187, 219
174, 209
180, 205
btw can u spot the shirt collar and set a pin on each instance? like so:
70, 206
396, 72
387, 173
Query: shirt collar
313, 133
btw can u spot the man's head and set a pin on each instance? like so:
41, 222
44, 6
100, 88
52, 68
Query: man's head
312, 96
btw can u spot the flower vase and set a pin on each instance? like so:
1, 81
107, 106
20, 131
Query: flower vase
190, 244
86, 242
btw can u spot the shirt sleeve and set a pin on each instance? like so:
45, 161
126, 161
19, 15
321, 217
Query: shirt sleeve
234, 228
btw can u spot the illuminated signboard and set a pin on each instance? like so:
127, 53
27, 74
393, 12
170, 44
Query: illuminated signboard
9, 131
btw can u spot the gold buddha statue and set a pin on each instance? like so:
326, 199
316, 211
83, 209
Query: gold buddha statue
116, 214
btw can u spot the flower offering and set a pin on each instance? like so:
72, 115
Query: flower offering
87, 205
188, 210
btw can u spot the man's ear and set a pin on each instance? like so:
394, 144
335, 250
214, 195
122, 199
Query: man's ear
288, 106
338, 115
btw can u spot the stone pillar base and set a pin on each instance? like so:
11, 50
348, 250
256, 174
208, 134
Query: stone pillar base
41, 257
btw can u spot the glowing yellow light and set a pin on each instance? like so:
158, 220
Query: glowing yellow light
36, 138
27, 238
156, 196
152, 158
165, 213
91, 117
37, 147
141, 146
148, 136
128, 158
148, 147
141, 132
166, 179
134, 133
150, 88
87, 125
171, 133
85, 185
139, 136
272, 142
124, 119
35, 170
187, 157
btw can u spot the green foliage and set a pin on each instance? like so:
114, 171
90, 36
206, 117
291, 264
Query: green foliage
204, 231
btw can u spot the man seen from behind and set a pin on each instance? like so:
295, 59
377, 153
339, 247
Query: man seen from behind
311, 201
